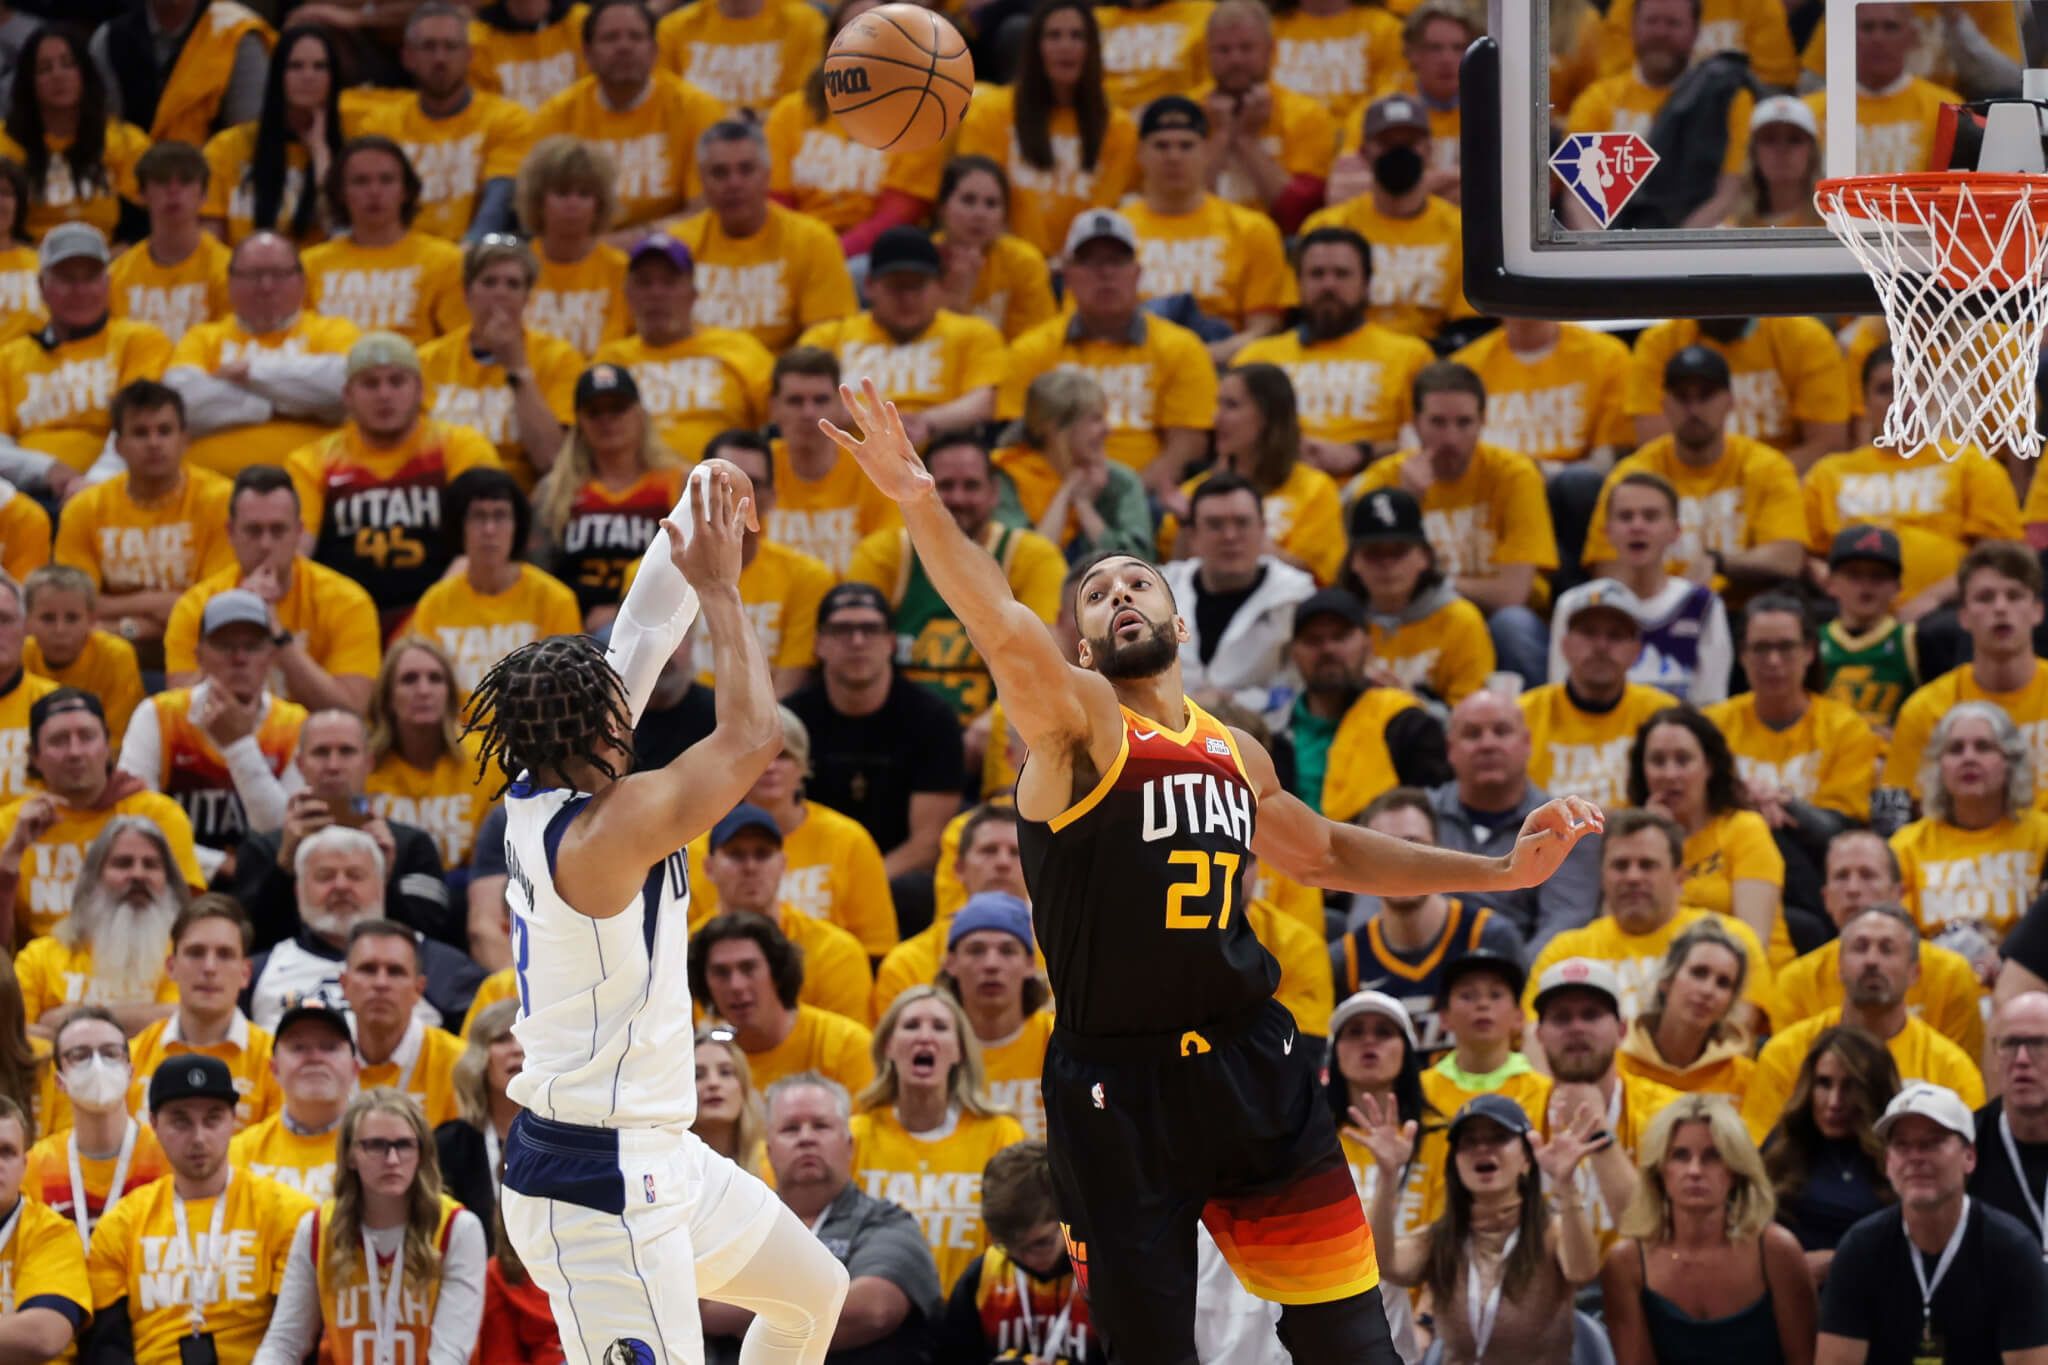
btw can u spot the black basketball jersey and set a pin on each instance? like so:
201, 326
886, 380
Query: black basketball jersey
1367, 963
1138, 890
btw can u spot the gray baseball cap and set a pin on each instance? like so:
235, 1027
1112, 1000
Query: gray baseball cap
72, 241
235, 607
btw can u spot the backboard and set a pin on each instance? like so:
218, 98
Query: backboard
1522, 259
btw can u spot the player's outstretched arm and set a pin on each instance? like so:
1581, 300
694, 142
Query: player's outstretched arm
1044, 696
1338, 857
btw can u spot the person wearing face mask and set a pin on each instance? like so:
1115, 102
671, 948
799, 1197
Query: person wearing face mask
84, 1171
1021, 1294
314, 1065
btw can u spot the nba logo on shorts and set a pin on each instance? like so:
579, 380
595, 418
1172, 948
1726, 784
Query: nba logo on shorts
1603, 171
1095, 1093
647, 1184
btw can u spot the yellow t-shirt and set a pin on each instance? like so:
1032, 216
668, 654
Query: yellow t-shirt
1448, 651
1895, 130
527, 66
830, 1044
1346, 59
1938, 508
837, 978
427, 1074
1984, 878
1638, 958
1157, 378
1826, 758
21, 293
654, 144
1624, 104
695, 388
132, 1246
59, 401
834, 871
1012, 1070
1581, 753
164, 545
52, 975
172, 298
745, 63
1044, 201
953, 357
2027, 706
1735, 846
50, 866
1360, 766
1921, 1053
936, 1176
231, 194
246, 1052
106, 667
780, 591
43, 1265
212, 344
1418, 263
1153, 50
1304, 518
826, 518
1014, 289
447, 801
1554, 408
1947, 994
1300, 133
24, 533
1747, 497
1524, 1085
455, 156
464, 391
329, 612
1755, 28
412, 287
1425, 1173
788, 276
1351, 388
1493, 515
299, 1161
817, 169
14, 707
64, 200
582, 302
1782, 372
504, 985
478, 629
1228, 257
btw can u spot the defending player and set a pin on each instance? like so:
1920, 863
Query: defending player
1173, 1087
618, 1211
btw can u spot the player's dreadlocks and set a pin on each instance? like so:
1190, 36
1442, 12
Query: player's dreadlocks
545, 704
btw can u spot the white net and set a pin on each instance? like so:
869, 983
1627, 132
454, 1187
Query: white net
1960, 276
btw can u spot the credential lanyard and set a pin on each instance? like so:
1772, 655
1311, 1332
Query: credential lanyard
206, 1265
1047, 1350
80, 1213
1948, 1256
384, 1308
1481, 1316
2019, 1176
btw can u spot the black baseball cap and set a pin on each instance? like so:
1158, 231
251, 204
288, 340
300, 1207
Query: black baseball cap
854, 595
745, 816
1329, 602
1480, 960
1871, 543
1173, 113
1387, 514
319, 1011
191, 1076
904, 248
57, 703
1697, 365
1495, 1107
606, 381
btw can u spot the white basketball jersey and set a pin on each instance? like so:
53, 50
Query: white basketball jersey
604, 1004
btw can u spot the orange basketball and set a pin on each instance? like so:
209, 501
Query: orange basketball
898, 77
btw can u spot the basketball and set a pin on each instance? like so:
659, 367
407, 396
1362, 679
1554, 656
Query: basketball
898, 77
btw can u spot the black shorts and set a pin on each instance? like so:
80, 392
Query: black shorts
1226, 1126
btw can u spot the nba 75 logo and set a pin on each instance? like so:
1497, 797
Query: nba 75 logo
1603, 171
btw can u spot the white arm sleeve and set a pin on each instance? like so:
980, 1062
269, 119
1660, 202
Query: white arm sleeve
301, 385
214, 404
264, 794
142, 748
459, 1311
23, 467
295, 1320
656, 614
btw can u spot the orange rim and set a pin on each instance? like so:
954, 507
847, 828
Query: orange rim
1989, 193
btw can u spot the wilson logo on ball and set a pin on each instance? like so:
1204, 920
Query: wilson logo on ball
850, 81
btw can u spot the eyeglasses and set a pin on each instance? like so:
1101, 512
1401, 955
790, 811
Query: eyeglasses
853, 630
2013, 1044
79, 1056
384, 1149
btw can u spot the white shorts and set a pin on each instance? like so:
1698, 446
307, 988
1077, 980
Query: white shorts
625, 1229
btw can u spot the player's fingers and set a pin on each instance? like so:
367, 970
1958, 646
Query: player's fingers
856, 409
746, 515
675, 534
844, 440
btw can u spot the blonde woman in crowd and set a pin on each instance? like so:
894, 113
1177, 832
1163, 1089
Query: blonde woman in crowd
470, 1147
1058, 478
1702, 1276
421, 773
1784, 166
1690, 1038
390, 1256
729, 1114
566, 203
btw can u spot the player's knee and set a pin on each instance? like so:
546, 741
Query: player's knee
1350, 1331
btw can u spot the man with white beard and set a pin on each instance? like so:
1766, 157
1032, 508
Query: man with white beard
110, 950
340, 883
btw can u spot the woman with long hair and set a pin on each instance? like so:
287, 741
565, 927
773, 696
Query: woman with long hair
928, 1112
421, 771
1701, 1275
566, 198
26, 1075
1424, 634
988, 270
1058, 478
21, 289
730, 1118
80, 161
471, 1146
390, 1256
266, 176
1825, 1159
1691, 1037
1680, 765
1784, 166
1053, 130
1499, 1265
1258, 438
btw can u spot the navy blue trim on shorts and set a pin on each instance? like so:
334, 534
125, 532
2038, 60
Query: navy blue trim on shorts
565, 1161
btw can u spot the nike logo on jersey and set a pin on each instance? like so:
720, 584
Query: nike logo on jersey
1144, 734
1287, 1048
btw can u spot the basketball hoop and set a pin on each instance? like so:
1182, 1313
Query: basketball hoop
1958, 258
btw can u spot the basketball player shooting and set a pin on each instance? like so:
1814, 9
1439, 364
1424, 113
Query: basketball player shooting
621, 1214
1173, 1087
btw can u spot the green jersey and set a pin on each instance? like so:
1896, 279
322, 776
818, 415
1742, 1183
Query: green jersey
1873, 672
931, 645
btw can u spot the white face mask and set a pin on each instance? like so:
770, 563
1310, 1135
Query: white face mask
98, 1084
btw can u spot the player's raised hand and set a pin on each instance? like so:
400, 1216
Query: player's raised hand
884, 450
1381, 1132
711, 554
1548, 835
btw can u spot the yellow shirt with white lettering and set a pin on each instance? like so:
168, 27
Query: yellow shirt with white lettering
1938, 508
1557, 407
1638, 959
1300, 134
330, 612
43, 1266
826, 518
14, 706
1011, 1071
654, 144
1351, 388
1014, 289
833, 870
1044, 201
953, 357
64, 200
528, 66
1584, 753
105, 667
830, 1044
21, 293
1153, 50
59, 401
412, 287
2026, 705
1755, 28
748, 63
172, 298
816, 168
1958, 878
1418, 263
298, 1161
50, 867
245, 1051
1346, 60
53, 975
1624, 104
1735, 846
431, 1080
163, 545
24, 533
1747, 497
1493, 515
1448, 651
695, 388
1895, 129
582, 302
137, 1255
446, 800
788, 276
211, 345
935, 1175
477, 629
780, 592
231, 193
1827, 758
454, 156
1161, 379
1946, 994
1782, 372
464, 390
1922, 1054
1228, 257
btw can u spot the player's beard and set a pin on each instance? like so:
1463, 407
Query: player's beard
1147, 657
130, 943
